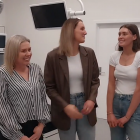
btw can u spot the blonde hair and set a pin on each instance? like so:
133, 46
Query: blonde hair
67, 36
12, 50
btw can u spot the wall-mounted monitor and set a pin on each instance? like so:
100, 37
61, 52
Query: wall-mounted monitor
49, 15
2, 42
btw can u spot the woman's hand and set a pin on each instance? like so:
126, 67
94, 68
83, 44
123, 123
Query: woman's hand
73, 112
88, 106
24, 138
112, 121
37, 132
122, 121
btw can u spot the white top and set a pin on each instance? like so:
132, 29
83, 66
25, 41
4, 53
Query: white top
75, 74
125, 75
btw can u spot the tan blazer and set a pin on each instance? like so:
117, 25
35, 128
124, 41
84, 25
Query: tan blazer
56, 76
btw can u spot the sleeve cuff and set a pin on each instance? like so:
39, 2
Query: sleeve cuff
17, 136
96, 105
44, 121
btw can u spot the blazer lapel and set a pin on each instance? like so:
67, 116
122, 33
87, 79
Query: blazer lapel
64, 66
84, 62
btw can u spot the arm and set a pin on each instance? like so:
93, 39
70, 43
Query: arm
46, 111
111, 90
136, 98
50, 84
9, 126
95, 80
112, 121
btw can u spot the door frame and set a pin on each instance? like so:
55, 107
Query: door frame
97, 24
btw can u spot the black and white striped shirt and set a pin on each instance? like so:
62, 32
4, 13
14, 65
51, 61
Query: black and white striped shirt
21, 100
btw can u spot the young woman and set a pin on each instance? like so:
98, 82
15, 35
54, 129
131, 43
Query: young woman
23, 102
123, 96
71, 78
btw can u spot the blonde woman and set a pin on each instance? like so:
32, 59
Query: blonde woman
71, 77
23, 103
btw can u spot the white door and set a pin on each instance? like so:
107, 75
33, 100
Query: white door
106, 41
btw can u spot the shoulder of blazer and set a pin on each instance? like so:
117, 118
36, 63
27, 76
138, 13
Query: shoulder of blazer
87, 49
53, 53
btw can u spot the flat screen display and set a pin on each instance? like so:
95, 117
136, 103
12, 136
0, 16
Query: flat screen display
2, 42
49, 15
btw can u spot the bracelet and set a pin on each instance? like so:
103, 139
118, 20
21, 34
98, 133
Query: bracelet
109, 113
126, 117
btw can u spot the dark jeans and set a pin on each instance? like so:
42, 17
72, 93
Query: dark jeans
27, 129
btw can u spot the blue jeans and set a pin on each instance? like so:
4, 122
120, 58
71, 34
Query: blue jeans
121, 104
84, 130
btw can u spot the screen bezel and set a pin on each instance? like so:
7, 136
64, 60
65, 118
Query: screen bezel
49, 3
2, 49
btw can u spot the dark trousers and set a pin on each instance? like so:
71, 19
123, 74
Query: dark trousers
2, 138
27, 129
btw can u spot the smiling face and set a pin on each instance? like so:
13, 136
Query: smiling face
25, 54
80, 32
126, 38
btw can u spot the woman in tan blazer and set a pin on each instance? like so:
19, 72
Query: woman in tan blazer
71, 77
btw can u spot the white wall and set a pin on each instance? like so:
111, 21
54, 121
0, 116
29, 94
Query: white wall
2, 20
19, 21
2, 23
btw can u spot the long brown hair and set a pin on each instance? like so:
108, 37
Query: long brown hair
67, 36
134, 30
